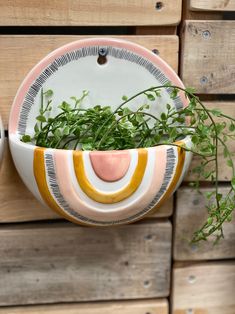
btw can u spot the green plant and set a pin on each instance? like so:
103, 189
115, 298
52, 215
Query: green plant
76, 128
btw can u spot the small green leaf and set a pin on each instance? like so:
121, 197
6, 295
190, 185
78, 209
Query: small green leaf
209, 221
163, 116
195, 139
168, 107
126, 111
66, 131
124, 98
233, 183
41, 118
87, 146
209, 194
26, 138
36, 128
174, 93
150, 96
48, 93
173, 133
229, 163
57, 133
216, 112
226, 152
190, 90
232, 127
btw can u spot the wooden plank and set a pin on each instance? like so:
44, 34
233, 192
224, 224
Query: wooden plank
204, 288
18, 54
125, 307
17, 204
66, 263
212, 5
225, 172
190, 214
208, 59
188, 14
81, 13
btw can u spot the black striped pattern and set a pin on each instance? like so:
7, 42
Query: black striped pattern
170, 167
81, 53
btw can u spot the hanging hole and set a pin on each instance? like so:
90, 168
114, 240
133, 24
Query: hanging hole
159, 5
102, 60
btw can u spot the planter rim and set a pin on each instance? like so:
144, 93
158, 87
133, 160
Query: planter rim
16, 140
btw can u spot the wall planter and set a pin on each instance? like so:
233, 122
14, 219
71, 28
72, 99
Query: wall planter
97, 187
1, 139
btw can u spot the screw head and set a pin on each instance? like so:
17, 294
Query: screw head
103, 51
206, 34
158, 5
191, 279
155, 51
203, 80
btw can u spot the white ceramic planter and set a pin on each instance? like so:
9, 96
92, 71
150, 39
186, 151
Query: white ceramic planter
1, 140
97, 188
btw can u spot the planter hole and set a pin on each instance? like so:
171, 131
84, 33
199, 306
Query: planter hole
156, 51
159, 5
102, 60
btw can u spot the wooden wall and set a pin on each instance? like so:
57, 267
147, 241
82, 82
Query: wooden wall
48, 265
204, 275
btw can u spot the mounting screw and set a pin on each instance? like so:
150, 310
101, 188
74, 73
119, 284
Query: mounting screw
194, 247
203, 80
159, 5
191, 279
103, 51
156, 51
146, 283
206, 34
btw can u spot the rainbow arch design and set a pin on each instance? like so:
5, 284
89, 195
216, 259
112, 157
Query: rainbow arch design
68, 183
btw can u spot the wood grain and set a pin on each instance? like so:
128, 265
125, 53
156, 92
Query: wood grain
124, 307
18, 54
17, 204
82, 13
225, 172
208, 59
206, 288
213, 5
190, 214
188, 14
60, 262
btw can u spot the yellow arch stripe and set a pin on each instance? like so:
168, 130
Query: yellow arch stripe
40, 177
109, 198
174, 181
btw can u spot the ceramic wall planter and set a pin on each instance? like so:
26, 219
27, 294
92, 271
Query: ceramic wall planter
97, 188
1, 140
